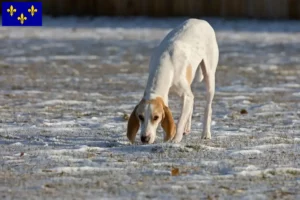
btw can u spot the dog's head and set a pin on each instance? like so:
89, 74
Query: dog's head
148, 115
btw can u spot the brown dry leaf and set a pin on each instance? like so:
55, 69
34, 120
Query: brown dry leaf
175, 171
49, 186
21, 154
244, 112
125, 116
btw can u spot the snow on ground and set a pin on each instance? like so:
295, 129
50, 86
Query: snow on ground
66, 87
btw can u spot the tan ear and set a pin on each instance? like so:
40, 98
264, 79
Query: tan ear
168, 124
133, 126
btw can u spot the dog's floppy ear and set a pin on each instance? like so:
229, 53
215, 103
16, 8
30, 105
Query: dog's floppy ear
133, 125
168, 124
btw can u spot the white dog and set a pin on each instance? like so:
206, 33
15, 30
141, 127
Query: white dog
188, 51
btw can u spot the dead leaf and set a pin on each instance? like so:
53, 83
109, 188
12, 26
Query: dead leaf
126, 116
21, 154
244, 112
49, 186
175, 171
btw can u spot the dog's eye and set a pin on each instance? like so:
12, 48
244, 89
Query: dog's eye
141, 117
155, 118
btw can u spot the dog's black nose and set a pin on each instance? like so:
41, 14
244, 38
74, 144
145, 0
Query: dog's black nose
145, 139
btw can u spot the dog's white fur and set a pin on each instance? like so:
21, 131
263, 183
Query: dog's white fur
188, 51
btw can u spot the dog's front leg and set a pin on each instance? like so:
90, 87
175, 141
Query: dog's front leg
187, 106
188, 124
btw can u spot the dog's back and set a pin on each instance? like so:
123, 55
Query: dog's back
186, 45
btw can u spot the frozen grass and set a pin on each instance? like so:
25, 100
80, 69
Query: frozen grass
66, 89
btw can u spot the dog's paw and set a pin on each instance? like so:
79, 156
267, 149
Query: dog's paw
177, 138
206, 136
187, 128
187, 132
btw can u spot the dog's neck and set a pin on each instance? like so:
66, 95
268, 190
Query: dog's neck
151, 95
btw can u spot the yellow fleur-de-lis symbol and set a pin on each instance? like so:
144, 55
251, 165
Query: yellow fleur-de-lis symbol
11, 10
32, 10
22, 18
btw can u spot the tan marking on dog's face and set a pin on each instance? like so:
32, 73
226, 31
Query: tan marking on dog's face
152, 110
157, 108
189, 75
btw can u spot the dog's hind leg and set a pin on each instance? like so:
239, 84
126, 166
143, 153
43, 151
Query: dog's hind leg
209, 77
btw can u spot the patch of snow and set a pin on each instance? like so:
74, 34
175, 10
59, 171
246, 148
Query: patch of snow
271, 146
245, 152
16, 144
270, 172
